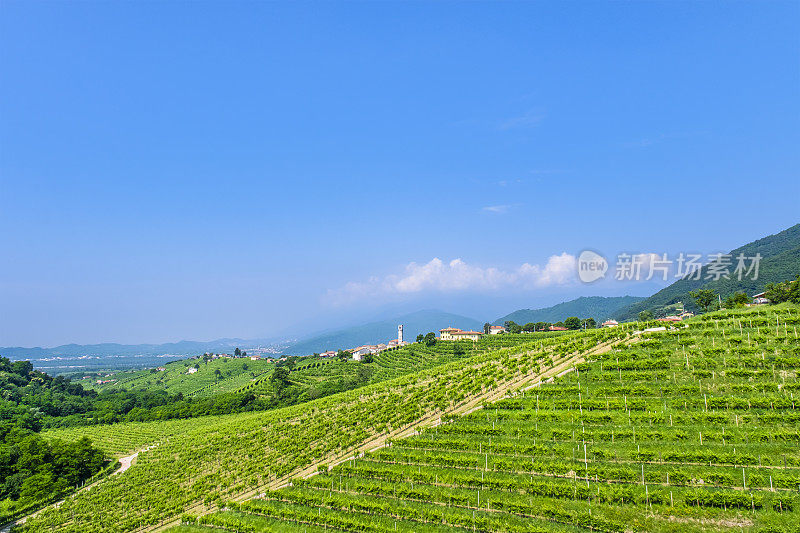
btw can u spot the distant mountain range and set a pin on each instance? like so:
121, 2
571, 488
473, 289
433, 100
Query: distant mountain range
597, 307
780, 262
383, 331
110, 348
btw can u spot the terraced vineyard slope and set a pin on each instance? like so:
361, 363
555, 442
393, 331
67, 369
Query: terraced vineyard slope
694, 429
195, 465
176, 377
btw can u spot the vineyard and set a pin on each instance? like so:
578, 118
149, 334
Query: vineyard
691, 429
694, 429
244, 375
234, 374
199, 463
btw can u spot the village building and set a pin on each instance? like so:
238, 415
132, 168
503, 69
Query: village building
191, 370
758, 299
610, 324
361, 351
494, 330
456, 334
557, 328
446, 334
467, 335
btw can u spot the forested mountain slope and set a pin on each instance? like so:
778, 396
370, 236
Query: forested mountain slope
597, 307
781, 262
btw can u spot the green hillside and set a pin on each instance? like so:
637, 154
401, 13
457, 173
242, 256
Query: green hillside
234, 373
781, 262
683, 430
597, 307
677, 432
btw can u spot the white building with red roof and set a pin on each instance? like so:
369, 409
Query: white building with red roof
455, 334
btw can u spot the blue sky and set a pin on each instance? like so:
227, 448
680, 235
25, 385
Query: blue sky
199, 170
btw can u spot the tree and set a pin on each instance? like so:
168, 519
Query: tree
704, 298
367, 358
237, 352
589, 323
279, 378
513, 327
343, 355
420, 337
430, 338
217, 374
788, 291
645, 315
530, 326
572, 322
737, 299
486, 328
542, 326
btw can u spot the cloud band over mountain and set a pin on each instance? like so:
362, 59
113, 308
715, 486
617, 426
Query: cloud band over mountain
455, 276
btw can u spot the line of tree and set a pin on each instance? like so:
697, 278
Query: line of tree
788, 291
572, 322
708, 300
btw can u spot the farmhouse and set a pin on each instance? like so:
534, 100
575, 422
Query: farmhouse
455, 334
557, 328
758, 299
494, 330
610, 324
191, 370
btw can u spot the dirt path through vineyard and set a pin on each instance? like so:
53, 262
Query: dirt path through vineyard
125, 463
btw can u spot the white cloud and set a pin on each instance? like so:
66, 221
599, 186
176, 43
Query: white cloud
498, 209
455, 276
